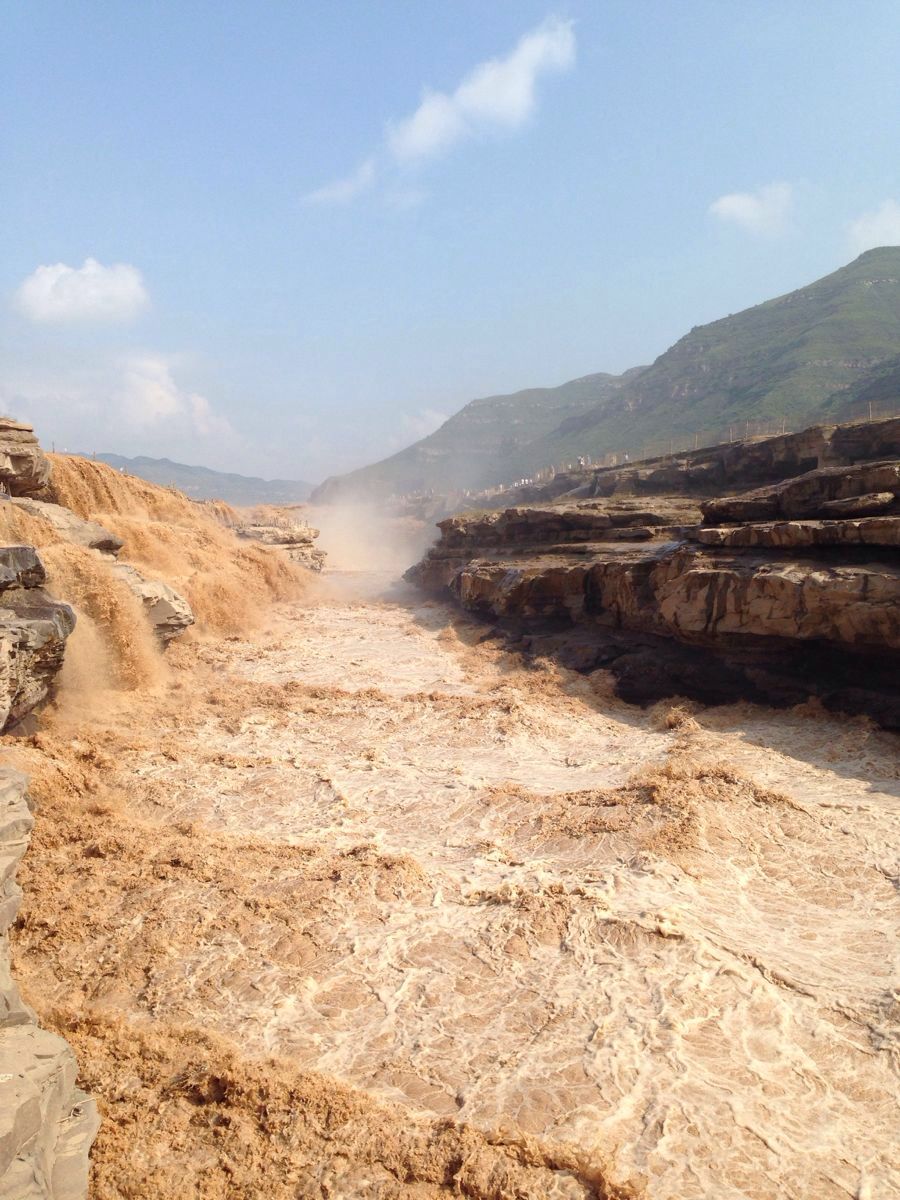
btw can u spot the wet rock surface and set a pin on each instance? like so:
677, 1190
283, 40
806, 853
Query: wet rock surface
71, 527
786, 591
167, 611
33, 632
47, 1124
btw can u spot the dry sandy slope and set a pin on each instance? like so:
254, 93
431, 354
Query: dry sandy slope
640, 948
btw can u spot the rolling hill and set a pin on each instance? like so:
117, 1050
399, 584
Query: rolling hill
201, 483
819, 353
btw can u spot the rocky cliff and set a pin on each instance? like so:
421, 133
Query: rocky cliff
33, 632
787, 590
24, 468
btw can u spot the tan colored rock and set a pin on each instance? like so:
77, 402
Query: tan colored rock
168, 612
24, 468
864, 531
296, 538
698, 595
860, 506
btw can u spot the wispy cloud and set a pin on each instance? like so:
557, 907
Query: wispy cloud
109, 402
148, 395
342, 191
92, 292
497, 96
764, 212
878, 227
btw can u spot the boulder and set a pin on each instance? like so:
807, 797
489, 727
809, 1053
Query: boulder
168, 612
33, 632
47, 1124
24, 468
71, 527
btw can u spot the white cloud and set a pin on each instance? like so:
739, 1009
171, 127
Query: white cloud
764, 211
498, 94
59, 293
342, 191
134, 404
879, 227
149, 396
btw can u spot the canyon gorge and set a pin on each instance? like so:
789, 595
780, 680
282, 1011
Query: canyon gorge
565, 868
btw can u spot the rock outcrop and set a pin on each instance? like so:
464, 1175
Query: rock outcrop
711, 470
784, 592
295, 538
33, 632
167, 611
71, 527
47, 1124
861, 490
24, 468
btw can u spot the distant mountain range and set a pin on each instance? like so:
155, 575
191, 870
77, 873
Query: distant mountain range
203, 484
818, 354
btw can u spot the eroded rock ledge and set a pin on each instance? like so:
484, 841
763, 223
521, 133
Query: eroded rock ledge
784, 592
295, 538
33, 632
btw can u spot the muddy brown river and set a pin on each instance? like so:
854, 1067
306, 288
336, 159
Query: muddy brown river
485, 890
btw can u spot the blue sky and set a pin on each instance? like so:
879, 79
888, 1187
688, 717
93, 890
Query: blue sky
313, 230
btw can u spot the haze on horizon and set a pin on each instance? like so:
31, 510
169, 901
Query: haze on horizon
290, 241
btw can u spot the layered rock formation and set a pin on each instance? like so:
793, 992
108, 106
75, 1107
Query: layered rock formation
789, 590
47, 1124
167, 611
24, 468
295, 538
33, 632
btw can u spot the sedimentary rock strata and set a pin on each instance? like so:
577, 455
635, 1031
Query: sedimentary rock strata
789, 590
713, 470
167, 611
24, 468
828, 492
33, 632
295, 538
46, 1123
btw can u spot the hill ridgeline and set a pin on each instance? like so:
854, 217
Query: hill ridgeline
822, 353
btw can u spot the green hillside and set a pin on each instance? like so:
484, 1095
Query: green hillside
819, 353
475, 447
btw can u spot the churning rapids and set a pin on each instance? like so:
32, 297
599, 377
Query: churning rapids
376, 847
